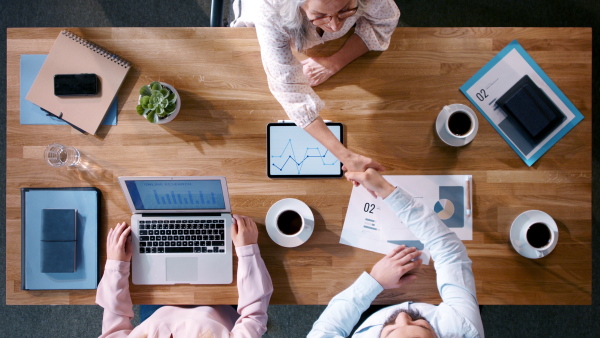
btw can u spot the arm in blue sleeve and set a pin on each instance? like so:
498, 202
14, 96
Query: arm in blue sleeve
344, 310
455, 279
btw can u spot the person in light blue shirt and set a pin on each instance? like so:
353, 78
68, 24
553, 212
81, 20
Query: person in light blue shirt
458, 314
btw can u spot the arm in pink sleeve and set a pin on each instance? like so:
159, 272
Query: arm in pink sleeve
255, 288
113, 295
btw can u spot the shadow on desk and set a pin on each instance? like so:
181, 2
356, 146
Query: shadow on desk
199, 122
299, 264
126, 90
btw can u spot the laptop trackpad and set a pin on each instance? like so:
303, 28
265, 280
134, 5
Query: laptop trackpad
182, 269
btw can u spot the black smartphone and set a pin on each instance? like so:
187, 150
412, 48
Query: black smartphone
75, 84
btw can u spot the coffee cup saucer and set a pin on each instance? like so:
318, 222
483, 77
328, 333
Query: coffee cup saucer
525, 219
444, 134
287, 240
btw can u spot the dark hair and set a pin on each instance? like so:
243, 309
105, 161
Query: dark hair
412, 313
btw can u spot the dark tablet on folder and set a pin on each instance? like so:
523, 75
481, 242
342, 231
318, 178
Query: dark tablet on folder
294, 153
531, 109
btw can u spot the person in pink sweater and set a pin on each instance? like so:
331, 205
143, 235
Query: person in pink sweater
254, 287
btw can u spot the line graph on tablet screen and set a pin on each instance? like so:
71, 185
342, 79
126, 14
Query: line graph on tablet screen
294, 152
310, 157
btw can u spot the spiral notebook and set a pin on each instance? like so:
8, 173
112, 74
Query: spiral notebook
72, 54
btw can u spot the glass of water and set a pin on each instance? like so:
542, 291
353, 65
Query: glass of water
57, 155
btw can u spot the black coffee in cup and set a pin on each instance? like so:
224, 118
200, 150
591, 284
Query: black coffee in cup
538, 235
459, 123
289, 222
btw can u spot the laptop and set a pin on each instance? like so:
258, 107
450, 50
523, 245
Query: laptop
181, 230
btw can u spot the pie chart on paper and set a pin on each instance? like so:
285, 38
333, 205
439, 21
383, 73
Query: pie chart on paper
444, 208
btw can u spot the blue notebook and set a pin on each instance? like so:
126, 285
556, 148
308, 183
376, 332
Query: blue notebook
59, 240
32, 114
87, 203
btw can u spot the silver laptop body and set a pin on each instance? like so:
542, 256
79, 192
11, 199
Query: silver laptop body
180, 229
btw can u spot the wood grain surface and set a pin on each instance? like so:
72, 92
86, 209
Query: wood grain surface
388, 103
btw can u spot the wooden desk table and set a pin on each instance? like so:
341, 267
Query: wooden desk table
388, 103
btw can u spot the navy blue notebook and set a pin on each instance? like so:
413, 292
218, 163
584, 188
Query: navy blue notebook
59, 225
531, 109
58, 257
59, 239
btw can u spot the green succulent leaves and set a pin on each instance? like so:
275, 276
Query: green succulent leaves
156, 101
145, 91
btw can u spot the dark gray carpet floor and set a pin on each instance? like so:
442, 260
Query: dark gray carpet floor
295, 321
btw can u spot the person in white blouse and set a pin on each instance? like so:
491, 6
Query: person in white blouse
301, 24
458, 314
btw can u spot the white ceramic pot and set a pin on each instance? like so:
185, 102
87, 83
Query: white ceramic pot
177, 106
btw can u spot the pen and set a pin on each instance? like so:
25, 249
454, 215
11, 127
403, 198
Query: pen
468, 193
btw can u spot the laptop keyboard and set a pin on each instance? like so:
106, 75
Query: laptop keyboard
182, 236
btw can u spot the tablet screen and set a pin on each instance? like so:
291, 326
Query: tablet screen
292, 152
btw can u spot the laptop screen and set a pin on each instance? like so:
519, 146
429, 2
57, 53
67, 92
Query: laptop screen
181, 194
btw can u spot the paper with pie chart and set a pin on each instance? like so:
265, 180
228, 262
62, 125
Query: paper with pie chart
371, 225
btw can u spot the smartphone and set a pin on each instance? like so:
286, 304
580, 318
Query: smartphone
75, 84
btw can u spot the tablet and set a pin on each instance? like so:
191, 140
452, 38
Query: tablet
293, 153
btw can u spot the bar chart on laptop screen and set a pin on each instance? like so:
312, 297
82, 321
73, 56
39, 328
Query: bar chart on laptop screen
156, 195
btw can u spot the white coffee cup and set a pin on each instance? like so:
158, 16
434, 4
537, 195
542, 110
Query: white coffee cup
457, 125
460, 124
534, 234
289, 222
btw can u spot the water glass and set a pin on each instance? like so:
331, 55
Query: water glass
57, 155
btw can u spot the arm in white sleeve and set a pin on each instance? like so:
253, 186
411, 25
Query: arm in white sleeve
344, 310
377, 23
113, 295
287, 81
455, 280
254, 288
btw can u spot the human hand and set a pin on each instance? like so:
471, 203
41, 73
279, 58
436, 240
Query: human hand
243, 231
118, 243
391, 271
318, 69
372, 181
356, 162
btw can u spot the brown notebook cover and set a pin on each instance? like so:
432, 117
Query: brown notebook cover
71, 54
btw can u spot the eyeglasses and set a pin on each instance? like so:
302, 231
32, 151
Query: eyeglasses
342, 15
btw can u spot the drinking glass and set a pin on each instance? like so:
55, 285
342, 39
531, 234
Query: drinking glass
58, 155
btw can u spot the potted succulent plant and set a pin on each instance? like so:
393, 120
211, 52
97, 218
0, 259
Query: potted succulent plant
158, 102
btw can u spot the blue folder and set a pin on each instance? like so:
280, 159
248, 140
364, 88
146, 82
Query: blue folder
32, 114
513, 136
87, 203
